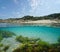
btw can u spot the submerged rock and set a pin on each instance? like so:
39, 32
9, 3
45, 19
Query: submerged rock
11, 42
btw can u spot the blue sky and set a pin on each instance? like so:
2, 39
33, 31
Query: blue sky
20, 8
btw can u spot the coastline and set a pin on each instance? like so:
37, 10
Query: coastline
40, 21
55, 23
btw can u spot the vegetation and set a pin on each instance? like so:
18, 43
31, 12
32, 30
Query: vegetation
1, 45
59, 40
30, 44
37, 46
26, 39
6, 48
51, 17
5, 34
25, 18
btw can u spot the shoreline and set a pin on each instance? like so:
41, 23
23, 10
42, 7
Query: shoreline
39, 22
55, 23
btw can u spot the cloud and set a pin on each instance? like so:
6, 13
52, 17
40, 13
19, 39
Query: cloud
16, 1
34, 4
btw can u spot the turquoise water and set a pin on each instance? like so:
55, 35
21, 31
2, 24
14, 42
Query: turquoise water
49, 34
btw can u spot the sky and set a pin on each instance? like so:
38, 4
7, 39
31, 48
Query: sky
20, 8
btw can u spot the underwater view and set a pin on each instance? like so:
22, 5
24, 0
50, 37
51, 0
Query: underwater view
49, 34
29, 38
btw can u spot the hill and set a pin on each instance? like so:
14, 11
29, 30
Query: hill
51, 17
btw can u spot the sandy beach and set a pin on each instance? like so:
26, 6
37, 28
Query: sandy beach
39, 21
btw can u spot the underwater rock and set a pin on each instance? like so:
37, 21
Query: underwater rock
11, 42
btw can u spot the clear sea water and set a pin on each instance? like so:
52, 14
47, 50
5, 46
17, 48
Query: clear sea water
49, 34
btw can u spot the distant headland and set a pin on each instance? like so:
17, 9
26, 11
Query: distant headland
52, 19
